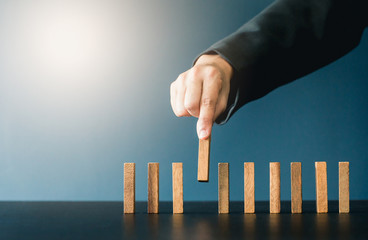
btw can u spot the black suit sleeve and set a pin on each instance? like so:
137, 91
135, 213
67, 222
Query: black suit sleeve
286, 41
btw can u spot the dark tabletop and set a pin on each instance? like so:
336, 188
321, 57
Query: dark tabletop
105, 220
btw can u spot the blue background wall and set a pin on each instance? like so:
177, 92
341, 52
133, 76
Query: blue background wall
84, 87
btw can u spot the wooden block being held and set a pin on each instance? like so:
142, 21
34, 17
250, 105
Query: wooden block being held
249, 205
321, 187
223, 187
275, 187
204, 159
296, 187
344, 206
177, 184
153, 187
129, 187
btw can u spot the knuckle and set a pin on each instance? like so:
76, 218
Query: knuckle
172, 86
188, 104
219, 82
208, 102
181, 78
195, 73
192, 80
182, 75
213, 72
215, 76
181, 112
191, 106
195, 70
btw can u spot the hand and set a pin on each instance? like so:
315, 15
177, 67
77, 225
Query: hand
202, 92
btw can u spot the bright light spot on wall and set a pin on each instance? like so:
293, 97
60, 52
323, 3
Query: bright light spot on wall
63, 39
61, 61
66, 41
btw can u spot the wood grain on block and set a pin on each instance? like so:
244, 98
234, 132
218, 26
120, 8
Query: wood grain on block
223, 187
321, 187
204, 159
249, 205
129, 187
177, 184
344, 206
296, 187
153, 187
275, 187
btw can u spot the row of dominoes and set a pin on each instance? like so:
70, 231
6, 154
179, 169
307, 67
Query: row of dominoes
249, 200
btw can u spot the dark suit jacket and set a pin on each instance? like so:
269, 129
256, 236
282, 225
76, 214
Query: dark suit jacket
286, 41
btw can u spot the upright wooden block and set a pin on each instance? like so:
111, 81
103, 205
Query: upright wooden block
249, 205
204, 159
177, 184
129, 187
344, 206
153, 187
223, 187
275, 187
296, 187
321, 187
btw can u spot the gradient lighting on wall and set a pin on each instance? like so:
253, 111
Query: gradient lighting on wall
62, 80
84, 87
64, 39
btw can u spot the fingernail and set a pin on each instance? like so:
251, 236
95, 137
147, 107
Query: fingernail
202, 133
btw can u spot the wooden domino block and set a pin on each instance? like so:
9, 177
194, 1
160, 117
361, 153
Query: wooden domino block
129, 187
153, 187
275, 187
223, 187
204, 159
177, 184
296, 187
344, 206
321, 187
249, 205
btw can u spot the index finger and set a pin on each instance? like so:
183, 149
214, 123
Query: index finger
209, 99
